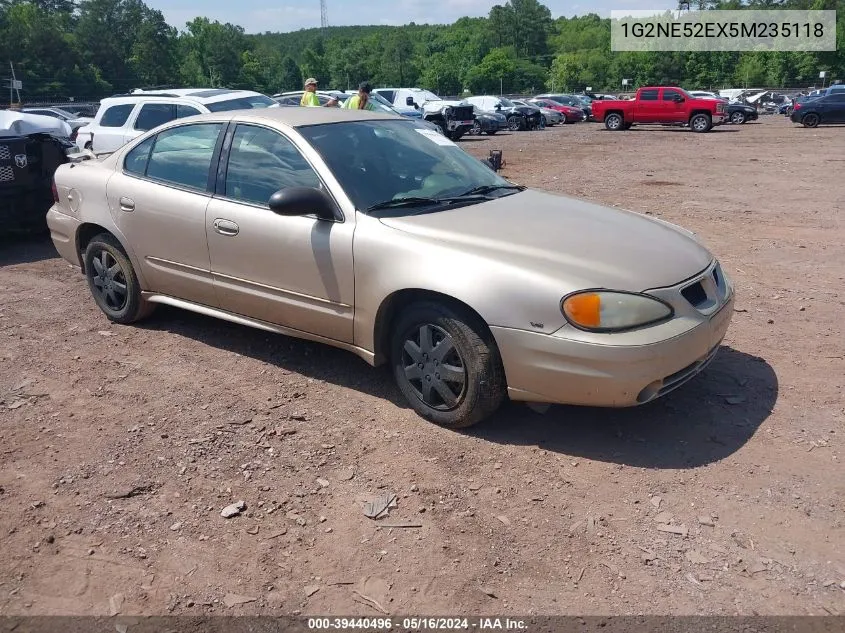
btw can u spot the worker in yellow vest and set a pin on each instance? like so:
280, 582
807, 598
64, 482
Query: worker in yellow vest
309, 97
361, 101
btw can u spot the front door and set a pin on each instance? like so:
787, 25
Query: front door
292, 271
158, 201
672, 107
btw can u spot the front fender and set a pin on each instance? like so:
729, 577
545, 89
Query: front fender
389, 260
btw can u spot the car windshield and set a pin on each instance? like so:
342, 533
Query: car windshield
378, 162
65, 113
506, 103
242, 103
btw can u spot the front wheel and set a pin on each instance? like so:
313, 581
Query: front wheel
515, 123
700, 123
112, 281
447, 365
614, 122
738, 118
475, 130
810, 120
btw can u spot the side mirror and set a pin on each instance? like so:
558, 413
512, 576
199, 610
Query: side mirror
679, 99
409, 101
498, 107
303, 201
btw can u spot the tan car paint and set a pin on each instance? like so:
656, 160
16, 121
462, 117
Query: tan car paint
511, 260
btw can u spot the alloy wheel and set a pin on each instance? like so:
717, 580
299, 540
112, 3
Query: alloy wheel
109, 280
434, 369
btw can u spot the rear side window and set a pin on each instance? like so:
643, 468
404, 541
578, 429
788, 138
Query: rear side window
185, 110
648, 95
182, 155
116, 115
136, 160
154, 114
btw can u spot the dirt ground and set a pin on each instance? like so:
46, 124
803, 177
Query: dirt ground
119, 446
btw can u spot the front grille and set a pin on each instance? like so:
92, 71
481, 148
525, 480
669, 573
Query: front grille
7, 174
695, 294
5, 154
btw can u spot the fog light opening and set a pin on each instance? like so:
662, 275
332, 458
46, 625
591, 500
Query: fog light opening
650, 392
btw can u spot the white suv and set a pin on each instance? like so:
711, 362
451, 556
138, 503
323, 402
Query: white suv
123, 118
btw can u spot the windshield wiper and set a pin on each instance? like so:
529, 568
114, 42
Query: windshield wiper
410, 201
475, 191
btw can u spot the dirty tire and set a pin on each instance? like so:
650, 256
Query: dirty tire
700, 123
614, 122
738, 118
431, 341
811, 120
112, 281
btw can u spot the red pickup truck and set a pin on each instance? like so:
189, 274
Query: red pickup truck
660, 106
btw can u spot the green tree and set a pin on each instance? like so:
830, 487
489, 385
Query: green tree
290, 77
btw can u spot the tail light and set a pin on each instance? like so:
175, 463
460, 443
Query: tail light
55, 193
797, 106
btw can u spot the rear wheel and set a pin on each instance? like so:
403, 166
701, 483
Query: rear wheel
811, 120
614, 122
112, 281
447, 365
700, 123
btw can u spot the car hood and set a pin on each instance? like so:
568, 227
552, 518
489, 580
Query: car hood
433, 106
581, 243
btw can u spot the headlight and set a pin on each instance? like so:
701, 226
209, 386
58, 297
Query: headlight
612, 310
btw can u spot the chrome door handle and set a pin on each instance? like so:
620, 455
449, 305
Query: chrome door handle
127, 204
226, 227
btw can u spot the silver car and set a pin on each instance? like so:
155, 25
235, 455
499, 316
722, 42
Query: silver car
377, 235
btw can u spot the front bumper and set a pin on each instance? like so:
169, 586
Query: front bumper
560, 369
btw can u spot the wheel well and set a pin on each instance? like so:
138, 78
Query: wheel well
84, 235
619, 112
392, 307
707, 112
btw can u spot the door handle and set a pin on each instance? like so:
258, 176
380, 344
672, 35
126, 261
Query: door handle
226, 227
127, 204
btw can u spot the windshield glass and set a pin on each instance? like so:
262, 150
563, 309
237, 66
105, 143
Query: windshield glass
506, 103
65, 113
380, 161
427, 96
242, 103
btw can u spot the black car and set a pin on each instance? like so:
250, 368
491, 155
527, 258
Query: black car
829, 109
740, 113
27, 165
488, 122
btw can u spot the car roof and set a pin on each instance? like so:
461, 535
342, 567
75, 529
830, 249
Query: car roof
301, 117
198, 95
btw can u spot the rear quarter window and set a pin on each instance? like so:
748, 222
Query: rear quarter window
648, 95
116, 115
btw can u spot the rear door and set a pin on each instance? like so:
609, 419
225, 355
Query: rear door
647, 106
158, 200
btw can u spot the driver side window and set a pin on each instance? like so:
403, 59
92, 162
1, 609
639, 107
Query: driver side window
261, 162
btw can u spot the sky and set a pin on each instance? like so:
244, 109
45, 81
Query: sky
257, 16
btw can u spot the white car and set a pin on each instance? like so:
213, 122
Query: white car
75, 122
123, 118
